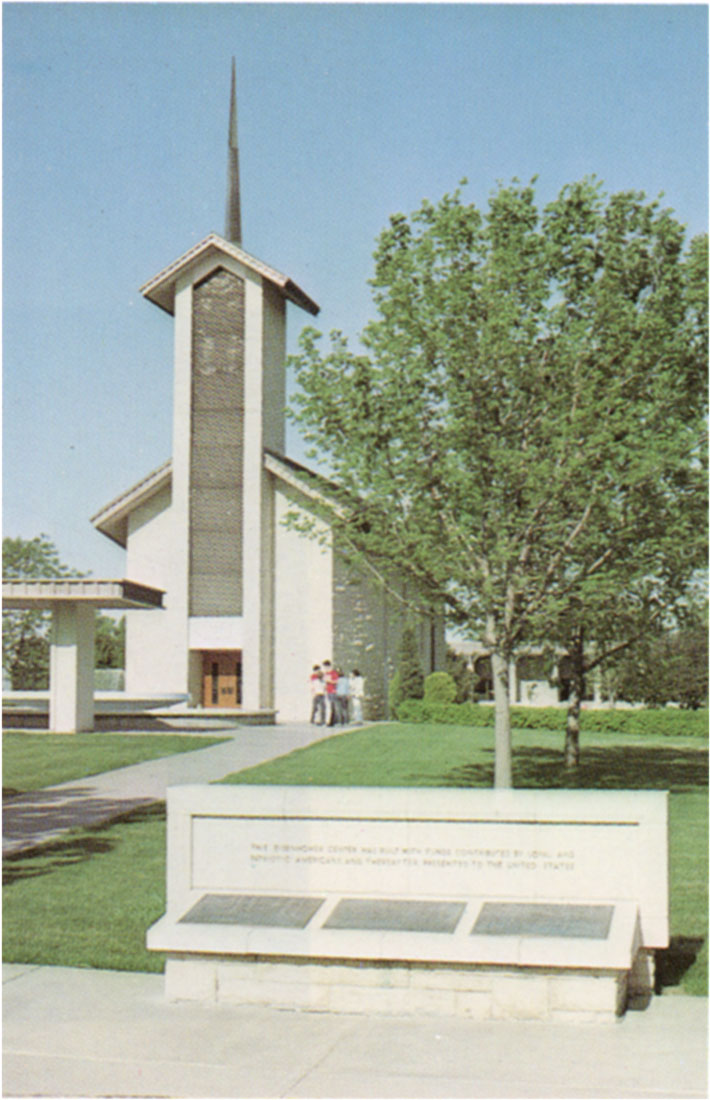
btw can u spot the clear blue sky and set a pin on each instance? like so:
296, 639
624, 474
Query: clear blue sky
115, 129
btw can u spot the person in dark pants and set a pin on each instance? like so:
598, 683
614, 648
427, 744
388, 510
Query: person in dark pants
317, 697
342, 696
330, 677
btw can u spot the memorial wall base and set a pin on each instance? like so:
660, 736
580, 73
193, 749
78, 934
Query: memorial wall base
407, 989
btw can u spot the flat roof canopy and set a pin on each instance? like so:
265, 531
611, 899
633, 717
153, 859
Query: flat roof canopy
25, 595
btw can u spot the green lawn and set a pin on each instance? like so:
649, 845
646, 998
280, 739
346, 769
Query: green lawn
402, 755
34, 760
89, 900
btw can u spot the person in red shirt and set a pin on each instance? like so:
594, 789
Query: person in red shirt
330, 676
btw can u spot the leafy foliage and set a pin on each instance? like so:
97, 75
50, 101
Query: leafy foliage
668, 667
525, 426
110, 642
394, 694
411, 677
457, 665
670, 722
25, 634
439, 687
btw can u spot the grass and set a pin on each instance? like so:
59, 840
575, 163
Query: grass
34, 760
89, 900
403, 755
685, 964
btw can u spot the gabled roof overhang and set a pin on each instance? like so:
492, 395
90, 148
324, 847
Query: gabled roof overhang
112, 520
306, 481
161, 289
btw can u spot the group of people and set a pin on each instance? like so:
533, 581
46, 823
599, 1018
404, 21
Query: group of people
333, 693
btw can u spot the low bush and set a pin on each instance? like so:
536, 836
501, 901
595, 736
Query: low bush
439, 687
669, 722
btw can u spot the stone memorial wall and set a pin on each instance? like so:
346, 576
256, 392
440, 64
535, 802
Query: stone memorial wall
564, 881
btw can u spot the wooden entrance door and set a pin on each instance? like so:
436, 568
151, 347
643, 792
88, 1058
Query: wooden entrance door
222, 678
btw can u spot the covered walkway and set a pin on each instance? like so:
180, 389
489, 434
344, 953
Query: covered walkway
73, 603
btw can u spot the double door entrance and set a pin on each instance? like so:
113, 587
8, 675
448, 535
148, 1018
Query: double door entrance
222, 678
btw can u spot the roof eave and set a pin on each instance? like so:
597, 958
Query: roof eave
161, 288
117, 532
112, 519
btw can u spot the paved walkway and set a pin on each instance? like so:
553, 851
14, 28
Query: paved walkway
39, 817
101, 1033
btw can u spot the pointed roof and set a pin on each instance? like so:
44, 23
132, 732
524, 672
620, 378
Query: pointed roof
161, 289
233, 222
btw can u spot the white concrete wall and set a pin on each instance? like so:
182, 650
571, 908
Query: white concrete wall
537, 693
212, 632
303, 586
156, 640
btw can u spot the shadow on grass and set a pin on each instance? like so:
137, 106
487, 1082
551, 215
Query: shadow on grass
32, 817
616, 767
676, 960
19, 866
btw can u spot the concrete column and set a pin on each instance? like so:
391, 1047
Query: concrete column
71, 664
253, 474
178, 561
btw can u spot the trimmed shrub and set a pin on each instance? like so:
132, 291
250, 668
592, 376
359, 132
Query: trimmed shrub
670, 722
439, 687
395, 693
412, 710
411, 677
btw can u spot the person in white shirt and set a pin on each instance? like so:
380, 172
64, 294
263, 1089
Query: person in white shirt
357, 694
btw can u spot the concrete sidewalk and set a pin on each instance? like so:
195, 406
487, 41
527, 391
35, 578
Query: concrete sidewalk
40, 817
101, 1033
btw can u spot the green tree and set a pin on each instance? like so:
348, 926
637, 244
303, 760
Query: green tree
411, 677
25, 634
459, 668
638, 552
530, 375
110, 642
667, 665
632, 598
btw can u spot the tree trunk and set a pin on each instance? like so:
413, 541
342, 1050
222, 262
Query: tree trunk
577, 690
572, 729
503, 748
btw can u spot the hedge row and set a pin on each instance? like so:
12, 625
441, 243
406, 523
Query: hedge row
666, 722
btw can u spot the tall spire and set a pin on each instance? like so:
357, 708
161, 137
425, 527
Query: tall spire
233, 231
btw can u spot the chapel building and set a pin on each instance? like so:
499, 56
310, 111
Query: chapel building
251, 604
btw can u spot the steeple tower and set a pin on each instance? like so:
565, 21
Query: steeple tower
233, 230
